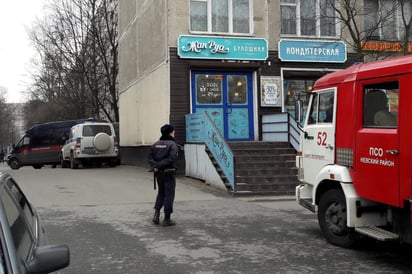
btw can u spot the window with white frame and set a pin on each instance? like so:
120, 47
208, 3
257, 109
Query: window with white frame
313, 18
388, 19
221, 16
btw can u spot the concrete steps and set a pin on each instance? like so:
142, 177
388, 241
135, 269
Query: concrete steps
264, 168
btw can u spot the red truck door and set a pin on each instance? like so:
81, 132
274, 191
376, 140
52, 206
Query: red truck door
377, 143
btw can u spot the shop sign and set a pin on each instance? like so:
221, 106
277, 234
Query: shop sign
384, 46
312, 51
223, 48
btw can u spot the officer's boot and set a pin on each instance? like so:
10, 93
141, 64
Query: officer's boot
156, 217
167, 221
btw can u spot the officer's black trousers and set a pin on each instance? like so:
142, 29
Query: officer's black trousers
166, 192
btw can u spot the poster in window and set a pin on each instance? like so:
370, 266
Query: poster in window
209, 89
270, 92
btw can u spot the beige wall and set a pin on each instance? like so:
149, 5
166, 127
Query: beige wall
145, 108
127, 10
260, 20
178, 20
127, 57
152, 35
144, 95
273, 24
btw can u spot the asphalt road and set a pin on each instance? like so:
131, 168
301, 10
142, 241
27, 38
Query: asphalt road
104, 215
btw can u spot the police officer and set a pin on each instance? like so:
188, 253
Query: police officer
162, 159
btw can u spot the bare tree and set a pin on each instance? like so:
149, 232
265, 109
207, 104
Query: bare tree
101, 70
7, 122
406, 19
77, 72
374, 20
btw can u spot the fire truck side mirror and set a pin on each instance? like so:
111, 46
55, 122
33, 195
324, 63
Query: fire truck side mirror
298, 111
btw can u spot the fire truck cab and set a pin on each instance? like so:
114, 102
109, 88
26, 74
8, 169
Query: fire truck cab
355, 155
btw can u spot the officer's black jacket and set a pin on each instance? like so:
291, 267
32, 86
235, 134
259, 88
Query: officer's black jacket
163, 154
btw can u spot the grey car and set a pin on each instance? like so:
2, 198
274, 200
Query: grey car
22, 237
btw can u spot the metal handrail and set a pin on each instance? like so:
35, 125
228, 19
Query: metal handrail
281, 127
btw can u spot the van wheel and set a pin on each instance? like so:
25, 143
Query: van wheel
63, 163
14, 163
73, 162
332, 216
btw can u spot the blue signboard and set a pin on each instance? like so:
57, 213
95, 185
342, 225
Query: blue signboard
312, 51
228, 48
195, 128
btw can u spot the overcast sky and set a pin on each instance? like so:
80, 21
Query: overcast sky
15, 47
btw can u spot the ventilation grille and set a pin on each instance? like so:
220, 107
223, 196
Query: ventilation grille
345, 157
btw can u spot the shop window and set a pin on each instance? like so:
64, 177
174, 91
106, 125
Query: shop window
295, 89
237, 89
387, 20
380, 105
221, 16
314, 18
208, 89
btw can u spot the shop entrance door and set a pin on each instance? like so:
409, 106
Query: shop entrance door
228, 99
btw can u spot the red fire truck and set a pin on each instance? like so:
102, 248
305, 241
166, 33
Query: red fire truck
355, 155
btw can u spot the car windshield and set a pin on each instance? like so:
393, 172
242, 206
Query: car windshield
92, 130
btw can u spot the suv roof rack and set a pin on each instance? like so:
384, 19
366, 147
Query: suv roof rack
91, 119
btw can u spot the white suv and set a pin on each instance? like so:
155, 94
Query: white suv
90, 143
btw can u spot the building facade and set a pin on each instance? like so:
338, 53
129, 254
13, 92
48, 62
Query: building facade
238, 60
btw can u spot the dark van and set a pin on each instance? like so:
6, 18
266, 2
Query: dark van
41, 145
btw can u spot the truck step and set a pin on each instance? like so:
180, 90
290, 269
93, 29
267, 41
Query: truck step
377, 233
307, 203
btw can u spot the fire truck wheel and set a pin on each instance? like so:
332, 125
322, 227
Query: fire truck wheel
332, 216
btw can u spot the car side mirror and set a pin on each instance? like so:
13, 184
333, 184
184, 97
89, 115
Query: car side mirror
298, 111
49, 258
